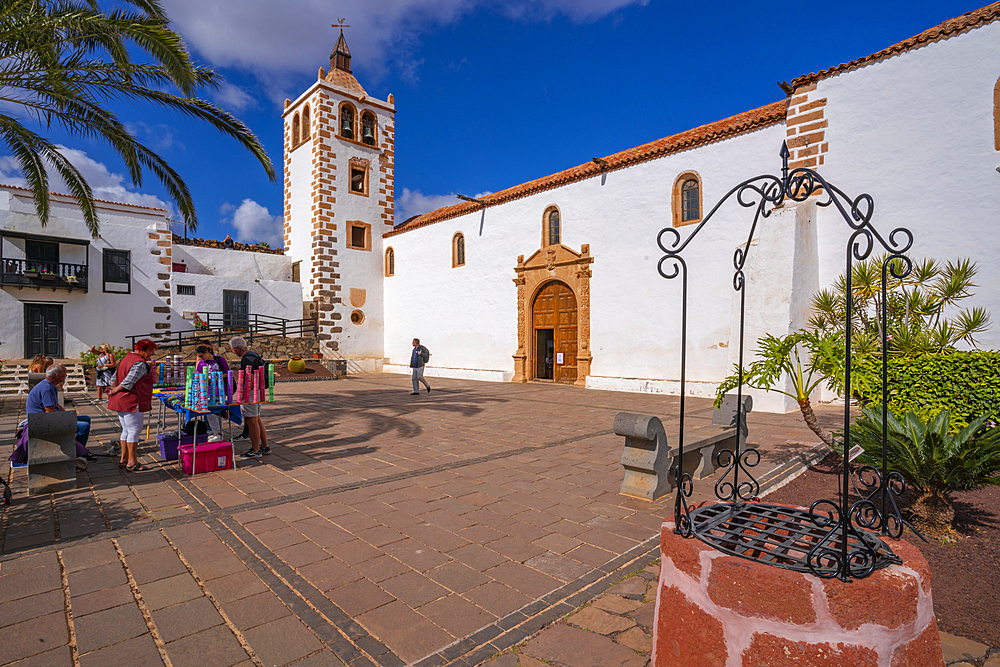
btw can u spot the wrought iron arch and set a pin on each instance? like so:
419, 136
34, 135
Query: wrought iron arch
830, 539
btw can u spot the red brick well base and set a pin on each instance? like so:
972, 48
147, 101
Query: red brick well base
715, 610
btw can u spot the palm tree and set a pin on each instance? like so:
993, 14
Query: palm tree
61, 61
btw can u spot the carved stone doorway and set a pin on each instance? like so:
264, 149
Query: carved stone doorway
553, 303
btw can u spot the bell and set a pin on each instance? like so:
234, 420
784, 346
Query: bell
346, 130
367, 136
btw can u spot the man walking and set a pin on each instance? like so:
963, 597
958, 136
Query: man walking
251, 411
420, 356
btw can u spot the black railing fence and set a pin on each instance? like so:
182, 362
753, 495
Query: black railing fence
218, 328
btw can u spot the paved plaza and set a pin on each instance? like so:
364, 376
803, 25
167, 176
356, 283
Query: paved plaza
385, 529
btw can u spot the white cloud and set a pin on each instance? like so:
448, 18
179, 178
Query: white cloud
269, 38
254, 223
104, 183
415, 202
232, 98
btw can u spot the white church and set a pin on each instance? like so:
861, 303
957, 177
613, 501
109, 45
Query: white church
555, 279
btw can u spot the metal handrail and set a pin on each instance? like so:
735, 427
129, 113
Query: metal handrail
257, 326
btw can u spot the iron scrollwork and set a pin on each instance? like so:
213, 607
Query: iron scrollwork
843, 546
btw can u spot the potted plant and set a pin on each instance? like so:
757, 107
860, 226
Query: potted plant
46, 274
72, 279
29, 273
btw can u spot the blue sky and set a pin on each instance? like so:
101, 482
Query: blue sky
488, 93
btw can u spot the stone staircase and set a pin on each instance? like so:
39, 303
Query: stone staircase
14, 379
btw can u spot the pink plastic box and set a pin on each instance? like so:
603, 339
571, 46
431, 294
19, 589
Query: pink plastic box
212, 456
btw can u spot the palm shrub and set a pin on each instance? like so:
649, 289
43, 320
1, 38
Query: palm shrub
923, 310
808, 358
934, 462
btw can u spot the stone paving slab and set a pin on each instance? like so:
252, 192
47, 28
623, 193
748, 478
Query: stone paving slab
384, 530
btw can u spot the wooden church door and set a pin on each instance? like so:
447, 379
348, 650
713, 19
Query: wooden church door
554, 317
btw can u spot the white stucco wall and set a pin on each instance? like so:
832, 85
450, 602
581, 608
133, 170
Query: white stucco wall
233, 263
468, 315
916, 131
95, 316
266, 297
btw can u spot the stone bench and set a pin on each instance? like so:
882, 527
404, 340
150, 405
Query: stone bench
649, 460
51, 452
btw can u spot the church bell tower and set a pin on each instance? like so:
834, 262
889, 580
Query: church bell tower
338, 185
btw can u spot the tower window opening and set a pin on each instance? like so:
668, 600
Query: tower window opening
347, 122
368, 128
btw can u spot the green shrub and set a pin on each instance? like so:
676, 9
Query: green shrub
89, 358
966, 384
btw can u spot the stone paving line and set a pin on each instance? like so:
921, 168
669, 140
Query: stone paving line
386, 529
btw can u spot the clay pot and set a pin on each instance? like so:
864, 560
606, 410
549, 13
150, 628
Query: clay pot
296, 365
317, 355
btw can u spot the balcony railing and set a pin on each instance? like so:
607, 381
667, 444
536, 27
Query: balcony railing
36, 273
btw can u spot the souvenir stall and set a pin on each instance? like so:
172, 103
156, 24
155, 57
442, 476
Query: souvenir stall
193, 397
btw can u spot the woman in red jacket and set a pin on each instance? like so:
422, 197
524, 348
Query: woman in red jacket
132, 396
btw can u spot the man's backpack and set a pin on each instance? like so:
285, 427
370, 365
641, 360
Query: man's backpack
425, 354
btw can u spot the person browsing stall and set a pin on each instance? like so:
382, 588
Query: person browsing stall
208, 363
251, 411
131, 397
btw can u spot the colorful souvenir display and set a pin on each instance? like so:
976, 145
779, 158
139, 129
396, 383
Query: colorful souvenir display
212, 388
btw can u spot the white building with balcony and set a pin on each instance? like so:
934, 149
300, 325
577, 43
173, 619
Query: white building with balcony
62, 291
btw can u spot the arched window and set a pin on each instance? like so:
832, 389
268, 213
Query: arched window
305, 123
996, 115
295, 130
687, 198
390, 262
551, 227
347, 121
457, 250
368, 127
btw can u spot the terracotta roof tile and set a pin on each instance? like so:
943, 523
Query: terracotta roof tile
103, 201
949, 28
345, 80
723, 129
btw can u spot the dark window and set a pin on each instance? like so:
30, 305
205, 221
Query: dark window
305, 123
390, 262
296, 272
553, 227
347, 122
689, 201
368, 128
42, 256
117, 271
358, 237
459, 250
357, 180
185, 289
295, 130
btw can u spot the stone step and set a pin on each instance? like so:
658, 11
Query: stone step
14, 379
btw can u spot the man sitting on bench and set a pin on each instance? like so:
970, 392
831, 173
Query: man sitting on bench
44, 397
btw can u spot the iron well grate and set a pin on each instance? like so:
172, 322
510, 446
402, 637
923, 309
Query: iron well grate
789, 538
